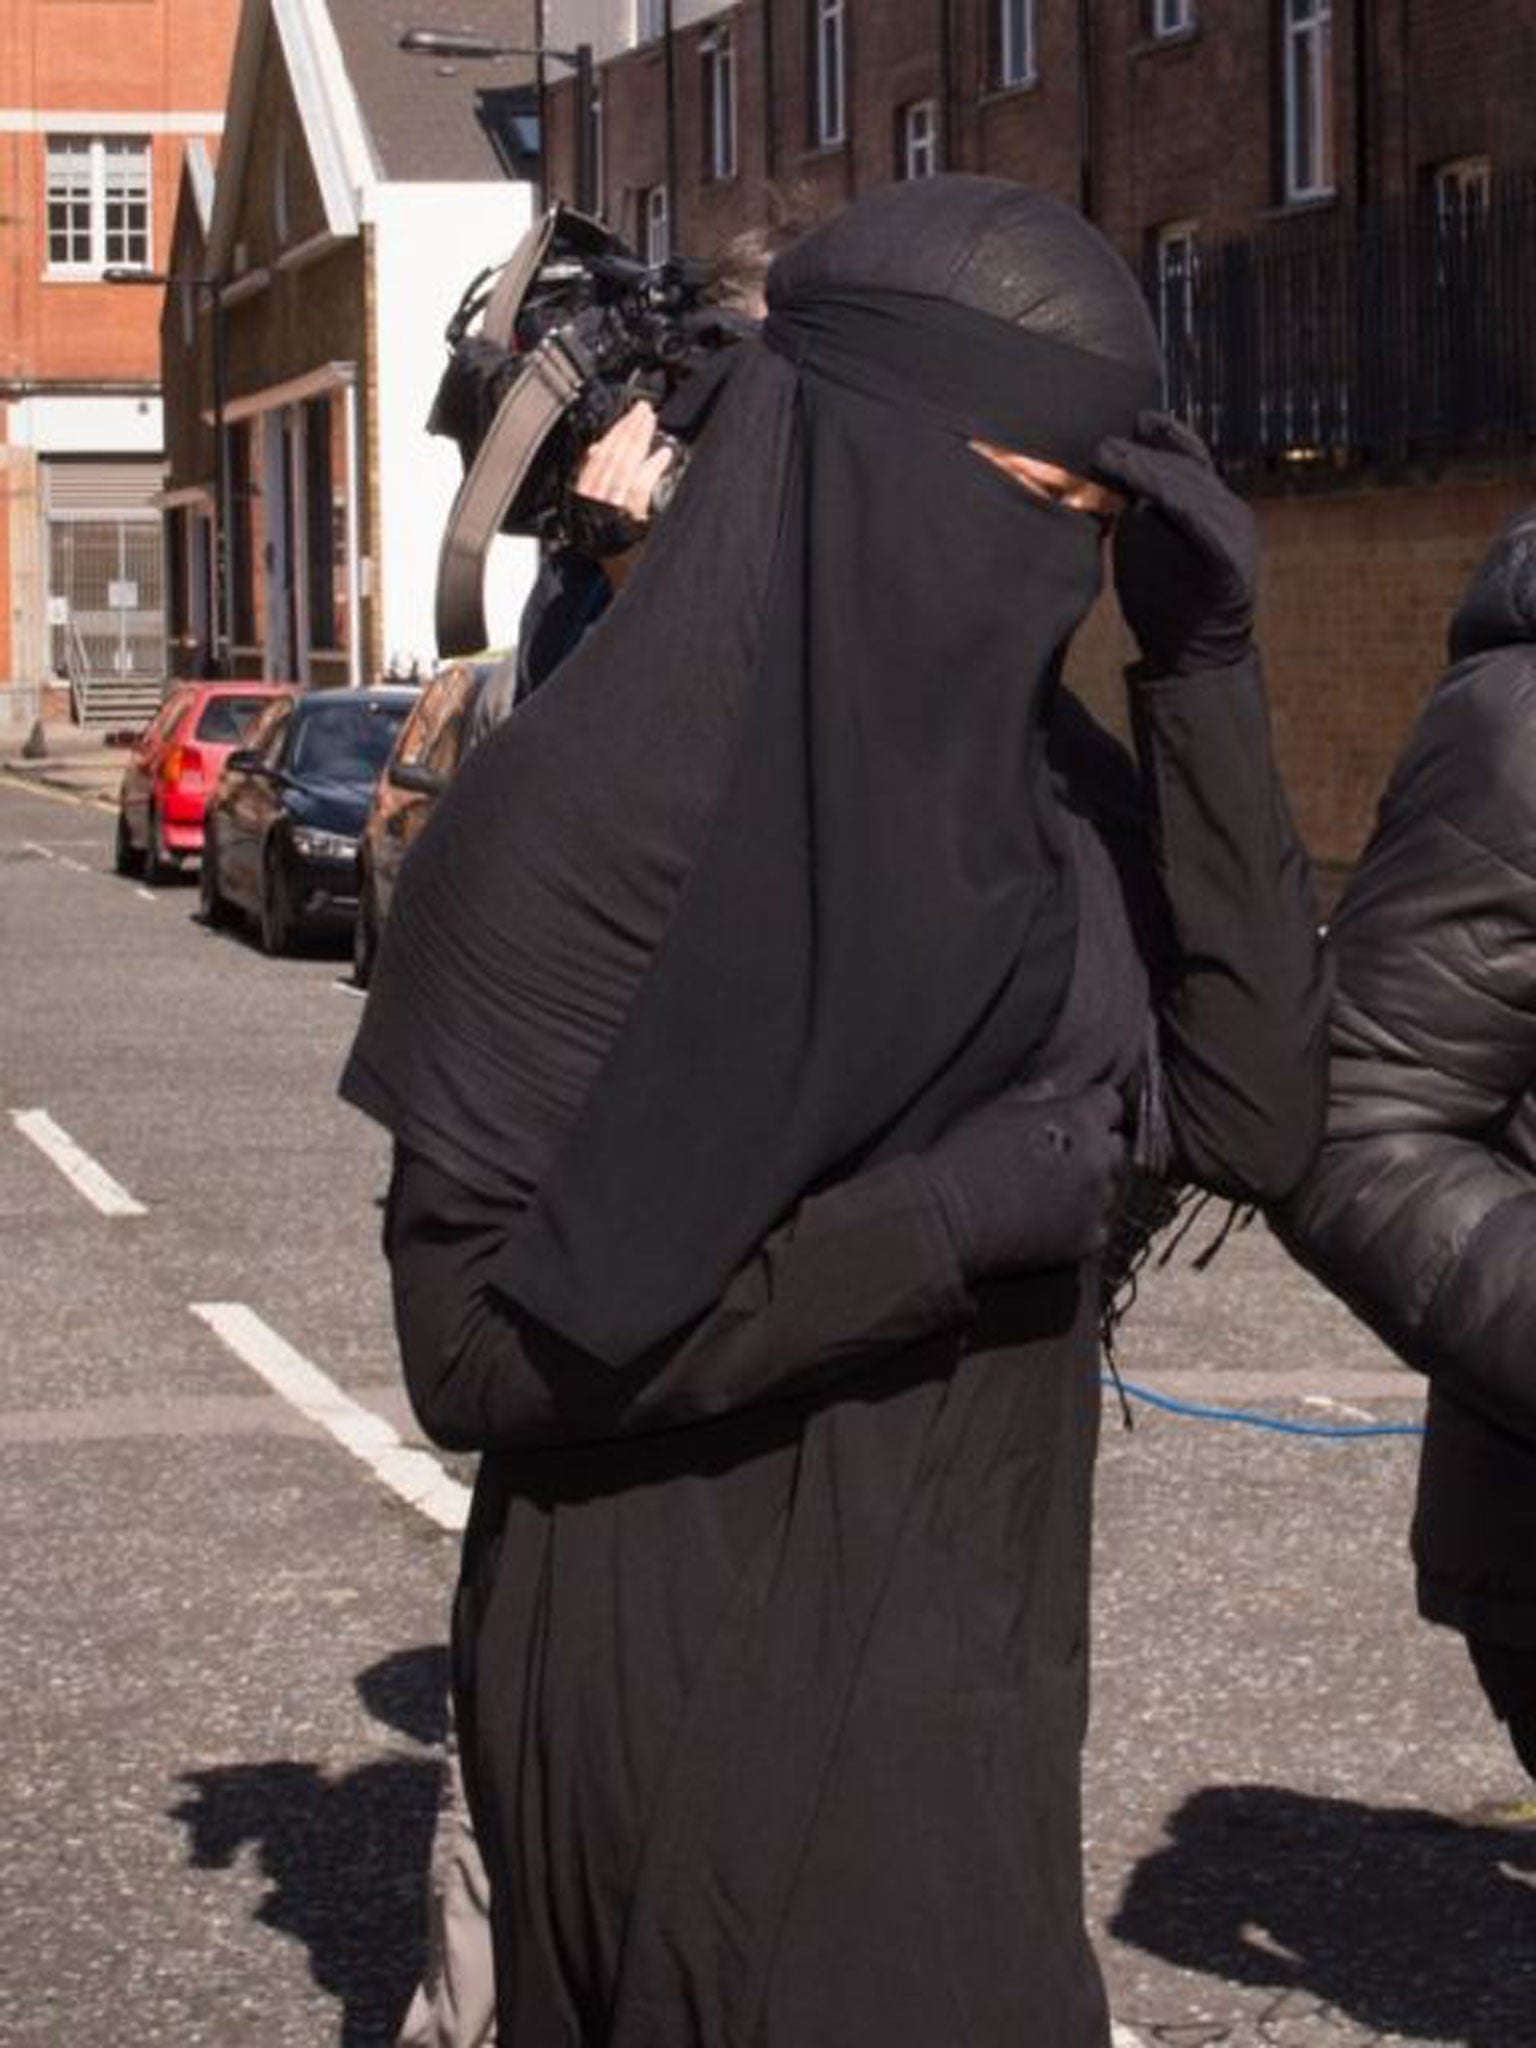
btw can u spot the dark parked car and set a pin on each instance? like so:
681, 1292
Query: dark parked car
432, 743
281, 841
174, 770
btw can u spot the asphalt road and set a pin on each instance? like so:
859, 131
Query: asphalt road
222, 1683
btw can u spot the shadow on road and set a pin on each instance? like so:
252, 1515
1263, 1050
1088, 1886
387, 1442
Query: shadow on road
1402, 1920
408, 1690
344, 1858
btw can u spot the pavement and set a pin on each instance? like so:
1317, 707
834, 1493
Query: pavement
222, 1699
79, 763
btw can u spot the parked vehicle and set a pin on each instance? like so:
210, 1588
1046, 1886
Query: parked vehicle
281, 842
174, 769
432, 743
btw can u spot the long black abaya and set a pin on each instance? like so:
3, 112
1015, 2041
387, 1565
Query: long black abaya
771, 1640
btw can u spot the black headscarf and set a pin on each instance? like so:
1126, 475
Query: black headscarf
792, 791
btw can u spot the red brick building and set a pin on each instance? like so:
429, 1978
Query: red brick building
359, 190
1332, 204
98, 101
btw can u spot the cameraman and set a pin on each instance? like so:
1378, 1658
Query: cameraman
624, 480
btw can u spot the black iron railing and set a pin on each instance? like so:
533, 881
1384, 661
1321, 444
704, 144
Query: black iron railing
1348, 341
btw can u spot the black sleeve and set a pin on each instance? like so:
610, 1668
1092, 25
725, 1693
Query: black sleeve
865, 1268
1420, 1212
570, 594
1241, 984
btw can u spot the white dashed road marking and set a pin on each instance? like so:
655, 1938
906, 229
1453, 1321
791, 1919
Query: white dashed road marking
414, 1475
78, 1167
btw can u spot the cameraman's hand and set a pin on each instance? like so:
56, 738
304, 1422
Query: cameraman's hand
1186, 552
1030, 1180
623, 467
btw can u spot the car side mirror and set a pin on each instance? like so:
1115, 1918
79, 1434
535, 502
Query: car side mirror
412, 775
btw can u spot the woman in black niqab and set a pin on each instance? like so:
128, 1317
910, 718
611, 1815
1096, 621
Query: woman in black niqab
751, 1023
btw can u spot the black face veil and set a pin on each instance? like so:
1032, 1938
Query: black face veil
845, 902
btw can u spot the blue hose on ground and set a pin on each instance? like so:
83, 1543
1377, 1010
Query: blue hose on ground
1202, 1411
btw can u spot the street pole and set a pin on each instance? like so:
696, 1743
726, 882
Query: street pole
669, 83
214, 286
223, 628
586, 138
466, 43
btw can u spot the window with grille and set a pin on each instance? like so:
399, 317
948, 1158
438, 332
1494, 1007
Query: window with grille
831, 114
655, 224
99, 194
650, 20
1172, 17
325, 536
719, 61
1015, 32
917, 139
1308, 99
1176, 272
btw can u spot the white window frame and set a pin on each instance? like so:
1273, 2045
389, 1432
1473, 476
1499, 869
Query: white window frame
99, 191
655, 224
830, 25
920, 138
1015, 43
1463, 189
719, 55
1308, 68
1177, 282
650, 20
1172, 18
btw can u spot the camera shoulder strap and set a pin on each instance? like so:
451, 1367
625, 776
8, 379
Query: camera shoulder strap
535, 402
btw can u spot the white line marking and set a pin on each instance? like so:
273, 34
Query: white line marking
349, 988
77, 867
414, 1475
148, 895
32, 846
1334, 1407
77, 1167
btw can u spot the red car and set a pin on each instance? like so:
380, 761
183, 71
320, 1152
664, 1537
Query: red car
174, 771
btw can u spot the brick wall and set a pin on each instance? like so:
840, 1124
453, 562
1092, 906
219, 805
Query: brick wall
1359, 582
100, 56
1357, 594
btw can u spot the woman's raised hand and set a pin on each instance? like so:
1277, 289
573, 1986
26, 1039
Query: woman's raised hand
1186, 550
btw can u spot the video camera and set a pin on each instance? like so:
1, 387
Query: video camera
545, 353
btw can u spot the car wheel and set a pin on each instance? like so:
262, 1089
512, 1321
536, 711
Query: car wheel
217, 911
126, 857
279, 921
158, 864
365, 934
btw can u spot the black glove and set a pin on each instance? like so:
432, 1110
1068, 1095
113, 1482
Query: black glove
1030, 1180
1186, 550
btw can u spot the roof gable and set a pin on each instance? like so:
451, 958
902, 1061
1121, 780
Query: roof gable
370, 113
422, 113
298, 35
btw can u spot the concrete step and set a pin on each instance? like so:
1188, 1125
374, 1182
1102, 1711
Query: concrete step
109, 703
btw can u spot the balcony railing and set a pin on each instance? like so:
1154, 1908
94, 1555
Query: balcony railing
1373, 339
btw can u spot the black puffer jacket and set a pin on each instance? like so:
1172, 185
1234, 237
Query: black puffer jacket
1421, 1209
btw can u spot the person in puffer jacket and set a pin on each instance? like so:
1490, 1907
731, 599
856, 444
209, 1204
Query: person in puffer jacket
1420, 1212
